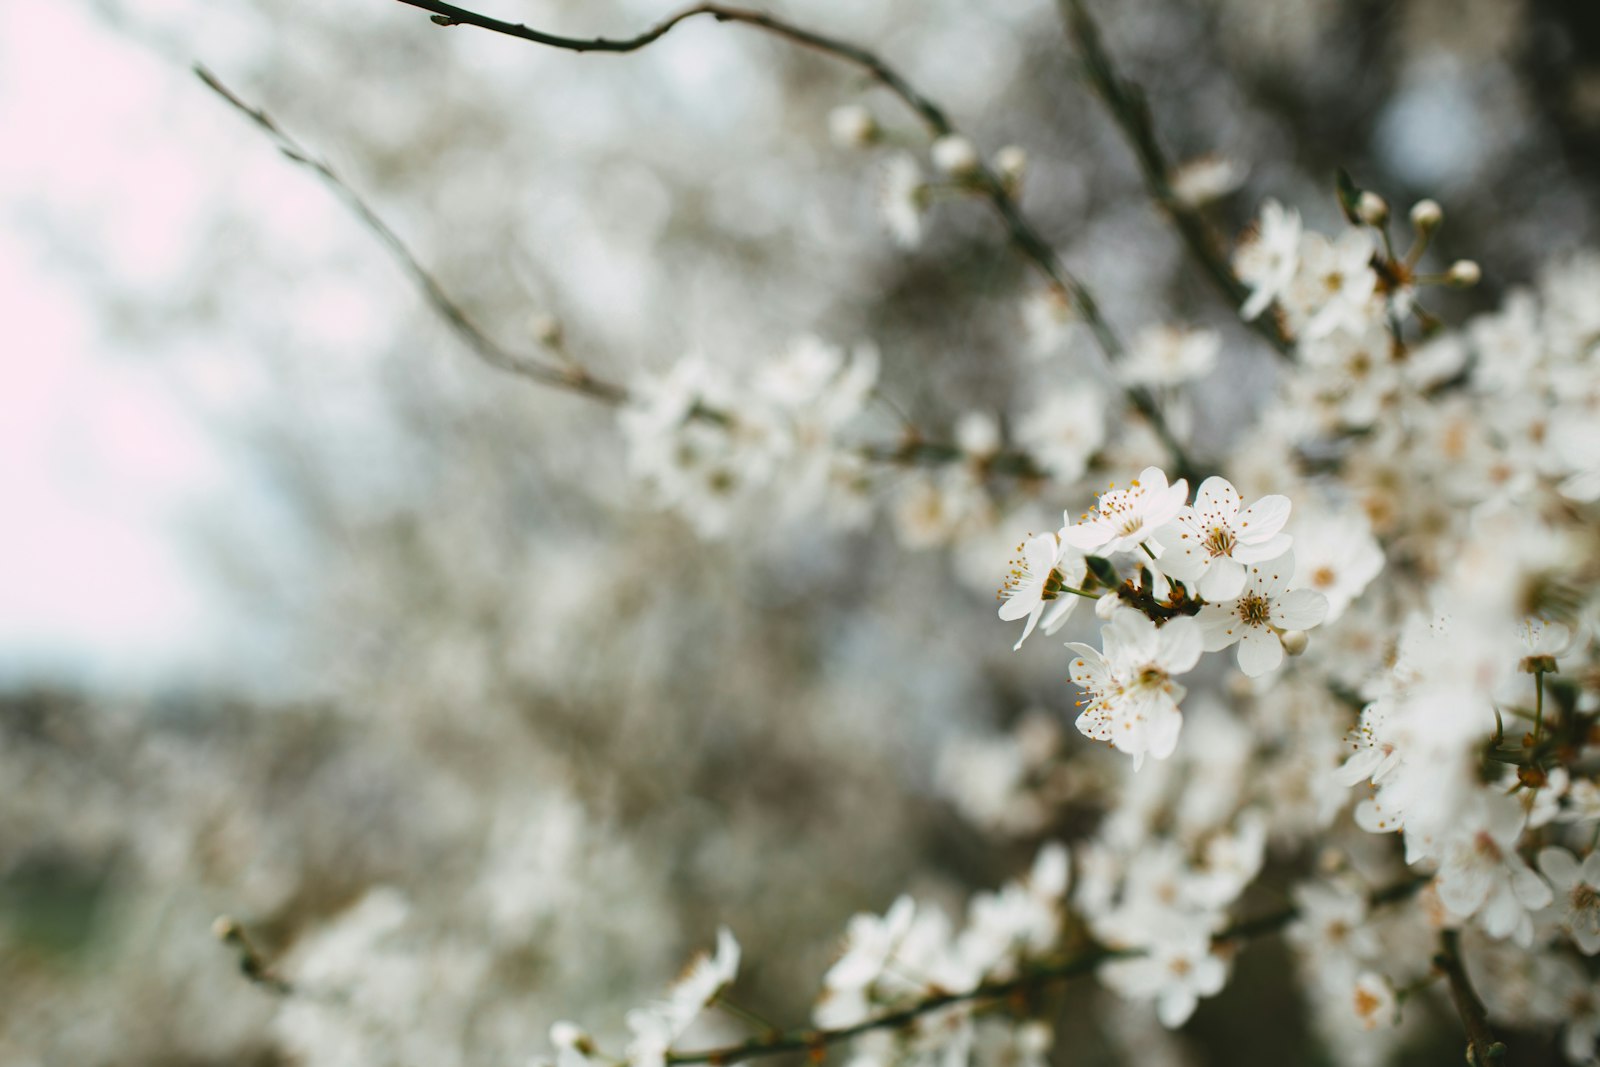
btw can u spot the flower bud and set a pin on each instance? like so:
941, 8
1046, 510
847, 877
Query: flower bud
546, 329
1294, 641
1426, 216
1011, 162
955, 156
1463, 274
1106, 606
852, 126
1373, 209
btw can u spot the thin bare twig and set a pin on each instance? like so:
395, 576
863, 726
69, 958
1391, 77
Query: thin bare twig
485, 347
1126, 104
1022, 233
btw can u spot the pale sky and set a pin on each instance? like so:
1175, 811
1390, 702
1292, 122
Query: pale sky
100, 461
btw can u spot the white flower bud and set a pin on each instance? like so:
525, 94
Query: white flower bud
978, 434
852, 126
1294, 641
1373, 209
1426, 215
1463, 274
1106, 606
1011, 162
546, 329
955, 156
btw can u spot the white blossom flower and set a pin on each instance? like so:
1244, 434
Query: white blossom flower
1265, 607
1132, 701
852, 126
902, 198
1122, 518
1211, 542
1481, 875
1165, 355
1336, 284
1063, 431
1035, 588
1336, 555
1373, 1001
1577, 894
1268, 260
657, 1026
1197, 182
1174, 973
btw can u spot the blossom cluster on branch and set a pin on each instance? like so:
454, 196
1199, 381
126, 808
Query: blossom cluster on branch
1394, 765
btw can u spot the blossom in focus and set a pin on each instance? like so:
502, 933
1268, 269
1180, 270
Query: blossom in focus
1035, 588
1265, 607
1123, 518
1131, 700
1211, 542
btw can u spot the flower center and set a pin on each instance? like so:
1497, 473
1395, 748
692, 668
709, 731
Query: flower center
1586, 900
1255, 610
1220, 541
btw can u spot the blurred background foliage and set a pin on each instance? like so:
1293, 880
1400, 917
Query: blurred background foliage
442, 645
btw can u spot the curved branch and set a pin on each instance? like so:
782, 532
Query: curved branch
1023, 235
482, 345
1126, 103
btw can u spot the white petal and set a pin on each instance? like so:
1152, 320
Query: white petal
1220, 626
1264, 518
1216, 502
1179, 645
1086, 536
1223, 580
1560, 866
1272, 578
1299, 609
1175, 1007
1259, 651
1270, 549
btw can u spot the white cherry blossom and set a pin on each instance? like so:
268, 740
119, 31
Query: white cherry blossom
1123, 518
1132, 701
1268, 261
1577, 894
1265, 607
1211, 542
1036, 587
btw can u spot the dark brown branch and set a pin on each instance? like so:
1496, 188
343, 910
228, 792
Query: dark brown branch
1126, 103
1022, 233
1483, 1049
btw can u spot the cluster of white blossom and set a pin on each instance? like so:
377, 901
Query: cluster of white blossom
1238, 561
708, 445
1442, 546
